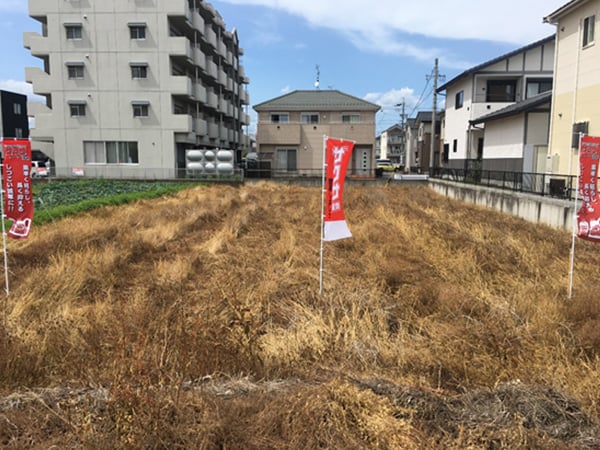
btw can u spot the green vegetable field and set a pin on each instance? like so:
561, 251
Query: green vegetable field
57, 199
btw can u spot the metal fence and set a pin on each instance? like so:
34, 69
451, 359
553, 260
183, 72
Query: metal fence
262, 170
552, 185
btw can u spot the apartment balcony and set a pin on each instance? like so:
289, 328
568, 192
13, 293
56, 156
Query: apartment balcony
37, 44
180, 46
210, 36
245, 97
222, 77
181, 85
212, 100
38, 7
41, 81
212, 69
229, 58
245, 119
223, 133
222, 105
180, 123
201, 127
229, 84
199, 58
37, 109
213, 130
200, 92
222, 49
198, 22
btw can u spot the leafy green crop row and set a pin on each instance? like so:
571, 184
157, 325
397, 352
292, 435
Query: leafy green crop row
57, 199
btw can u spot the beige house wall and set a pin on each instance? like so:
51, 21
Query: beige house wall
576, 94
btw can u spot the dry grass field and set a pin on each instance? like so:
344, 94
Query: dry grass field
194, 321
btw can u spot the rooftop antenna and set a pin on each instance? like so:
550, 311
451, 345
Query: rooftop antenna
318, 75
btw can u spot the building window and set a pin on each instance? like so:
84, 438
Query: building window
73, 31
309, 118
110, 152
139, 71
588, 30
77, 109
350, 118
18, 132
280, 118
140, 109
501, 91
17, 109
537, 86
137, 30
454, 145
458, 99
286, 159
75, 71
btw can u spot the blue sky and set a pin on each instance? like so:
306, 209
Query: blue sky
382, 51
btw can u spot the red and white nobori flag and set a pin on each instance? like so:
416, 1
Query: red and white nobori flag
338, 154
588, 216
16, 180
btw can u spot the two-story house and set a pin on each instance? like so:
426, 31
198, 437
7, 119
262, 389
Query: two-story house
486, 88
576, 92
425, 153
392, 144
291, 128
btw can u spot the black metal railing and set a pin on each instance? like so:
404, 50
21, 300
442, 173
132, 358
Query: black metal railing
553, 185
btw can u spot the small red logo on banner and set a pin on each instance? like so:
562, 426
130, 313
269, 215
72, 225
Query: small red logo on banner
16, 178
338, 154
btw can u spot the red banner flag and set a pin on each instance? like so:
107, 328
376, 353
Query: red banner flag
588, 216
338, 154
16, 178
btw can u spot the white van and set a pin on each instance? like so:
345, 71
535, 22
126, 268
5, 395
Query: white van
39, 169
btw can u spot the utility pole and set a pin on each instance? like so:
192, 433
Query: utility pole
433, 114
403, 136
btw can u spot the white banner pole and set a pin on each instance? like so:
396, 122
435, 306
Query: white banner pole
574, 227
322, 214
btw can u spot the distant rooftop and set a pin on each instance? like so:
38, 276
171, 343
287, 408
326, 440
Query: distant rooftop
316, 100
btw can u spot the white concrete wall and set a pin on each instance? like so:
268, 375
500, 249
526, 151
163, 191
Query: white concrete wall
533, 208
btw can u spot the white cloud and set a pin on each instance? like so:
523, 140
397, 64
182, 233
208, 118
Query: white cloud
21, 87
394, 27
285, 89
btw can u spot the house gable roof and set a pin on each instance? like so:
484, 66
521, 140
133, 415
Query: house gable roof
565, 9
516, 108
479, 67
316, 100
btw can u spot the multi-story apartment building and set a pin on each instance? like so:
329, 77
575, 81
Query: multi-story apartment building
576, 93
489, 87
130, 86
291, 128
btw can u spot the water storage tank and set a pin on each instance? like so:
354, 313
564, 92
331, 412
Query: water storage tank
225, 156
225, 168
194, 155
209, 168
209, 162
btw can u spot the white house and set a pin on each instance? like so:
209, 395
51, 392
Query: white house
489, 87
